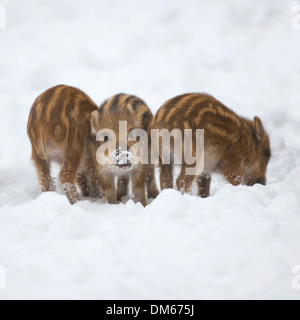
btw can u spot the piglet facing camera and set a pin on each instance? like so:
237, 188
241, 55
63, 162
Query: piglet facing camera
118, 117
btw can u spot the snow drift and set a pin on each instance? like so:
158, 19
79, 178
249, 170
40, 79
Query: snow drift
241, 242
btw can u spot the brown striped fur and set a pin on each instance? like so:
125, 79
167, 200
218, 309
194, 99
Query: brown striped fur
124, 107
235, 147
59, 130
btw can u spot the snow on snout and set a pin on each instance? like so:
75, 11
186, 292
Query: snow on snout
122, 157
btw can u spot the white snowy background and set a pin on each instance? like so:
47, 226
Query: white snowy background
240, 243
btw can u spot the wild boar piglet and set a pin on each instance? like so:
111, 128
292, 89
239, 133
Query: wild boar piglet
119, 116
59, 128
236, 147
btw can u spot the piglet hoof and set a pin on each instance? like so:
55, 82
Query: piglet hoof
113, 201
73, 199
143, 203
153, 193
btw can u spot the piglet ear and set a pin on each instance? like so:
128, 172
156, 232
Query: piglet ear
95, 119
258, 129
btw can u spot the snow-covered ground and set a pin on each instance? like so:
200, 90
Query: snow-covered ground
240, 243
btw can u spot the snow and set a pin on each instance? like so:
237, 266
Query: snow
241, 242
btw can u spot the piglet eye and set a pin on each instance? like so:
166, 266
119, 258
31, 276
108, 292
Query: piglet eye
267, 154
